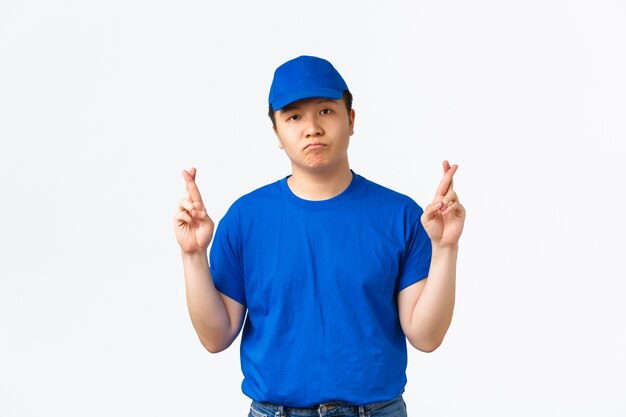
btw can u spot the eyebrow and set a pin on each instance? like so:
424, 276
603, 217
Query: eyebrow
294, 106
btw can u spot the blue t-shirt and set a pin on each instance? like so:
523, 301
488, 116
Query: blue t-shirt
320, 281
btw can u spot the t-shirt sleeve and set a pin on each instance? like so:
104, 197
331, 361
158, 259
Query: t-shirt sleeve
416, 261
225, 258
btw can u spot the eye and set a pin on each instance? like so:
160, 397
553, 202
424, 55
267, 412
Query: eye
326, 111
294, 117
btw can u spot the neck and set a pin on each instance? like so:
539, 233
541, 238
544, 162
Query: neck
320, 185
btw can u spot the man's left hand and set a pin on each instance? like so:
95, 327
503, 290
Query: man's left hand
444, 218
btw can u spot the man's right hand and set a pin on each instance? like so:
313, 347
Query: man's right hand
192, 225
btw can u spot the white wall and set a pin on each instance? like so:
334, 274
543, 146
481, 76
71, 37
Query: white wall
102, 104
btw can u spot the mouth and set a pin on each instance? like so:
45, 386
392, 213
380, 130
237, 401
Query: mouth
315, 145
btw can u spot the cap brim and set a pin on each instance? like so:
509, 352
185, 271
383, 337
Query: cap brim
301, 94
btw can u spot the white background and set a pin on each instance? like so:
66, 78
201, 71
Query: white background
102, 104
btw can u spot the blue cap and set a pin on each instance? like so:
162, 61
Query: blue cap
305, 77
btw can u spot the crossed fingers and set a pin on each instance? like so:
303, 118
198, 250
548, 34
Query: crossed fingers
193, 199
445, 196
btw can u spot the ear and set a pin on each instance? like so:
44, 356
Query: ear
351, 118
280, 143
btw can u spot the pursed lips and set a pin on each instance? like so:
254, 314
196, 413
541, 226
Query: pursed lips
315, 145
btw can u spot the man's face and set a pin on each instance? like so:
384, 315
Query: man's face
315, 133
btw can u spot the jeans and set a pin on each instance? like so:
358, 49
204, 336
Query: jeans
391, 408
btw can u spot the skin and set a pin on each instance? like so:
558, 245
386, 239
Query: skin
318, 173
425, 308
216, 318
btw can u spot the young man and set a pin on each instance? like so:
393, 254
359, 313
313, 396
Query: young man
335, 271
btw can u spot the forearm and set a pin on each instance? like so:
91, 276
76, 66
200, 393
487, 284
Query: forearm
433, 311
206, 308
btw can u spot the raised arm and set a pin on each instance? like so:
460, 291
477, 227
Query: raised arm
216, 318
426, 307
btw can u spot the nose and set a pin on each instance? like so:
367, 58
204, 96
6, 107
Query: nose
313, 128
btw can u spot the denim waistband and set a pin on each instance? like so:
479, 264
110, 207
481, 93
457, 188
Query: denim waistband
333, 408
